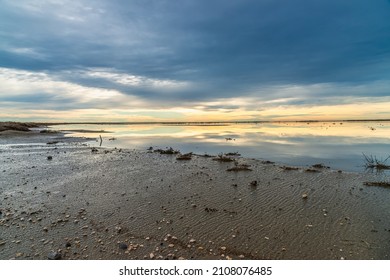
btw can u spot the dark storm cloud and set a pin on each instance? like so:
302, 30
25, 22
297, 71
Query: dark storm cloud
219, 48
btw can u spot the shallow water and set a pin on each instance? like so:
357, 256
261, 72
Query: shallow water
340, 145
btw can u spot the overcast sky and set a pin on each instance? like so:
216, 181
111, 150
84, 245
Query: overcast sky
194, 60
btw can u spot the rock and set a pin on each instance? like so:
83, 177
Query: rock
171, 245
304, 196
192, 241
223, 248
123, 246
67, 244
151, 255
253, 183
49, 158
54, 256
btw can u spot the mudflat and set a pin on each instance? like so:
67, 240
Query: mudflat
65, 200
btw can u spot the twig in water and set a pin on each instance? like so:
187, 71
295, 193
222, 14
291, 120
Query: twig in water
373, 162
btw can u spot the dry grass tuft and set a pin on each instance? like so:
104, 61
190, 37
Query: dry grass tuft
223, 158
169, 151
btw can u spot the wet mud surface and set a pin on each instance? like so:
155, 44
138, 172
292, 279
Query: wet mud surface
65, 201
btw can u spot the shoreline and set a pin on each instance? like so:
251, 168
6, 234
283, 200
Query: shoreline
132, 204
24, 126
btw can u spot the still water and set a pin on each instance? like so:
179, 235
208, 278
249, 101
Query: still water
340, 145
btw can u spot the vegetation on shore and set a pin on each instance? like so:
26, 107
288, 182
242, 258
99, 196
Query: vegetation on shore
16, 126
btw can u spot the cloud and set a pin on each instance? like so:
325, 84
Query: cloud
201, 53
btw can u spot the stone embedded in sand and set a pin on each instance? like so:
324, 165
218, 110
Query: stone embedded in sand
54, 256
151, 255
304, 196
123, 246
171, 245
223, 248
253, 183
192, 240
118, 229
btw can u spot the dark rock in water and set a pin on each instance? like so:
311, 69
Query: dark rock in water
49, 158
123, 246
54, 256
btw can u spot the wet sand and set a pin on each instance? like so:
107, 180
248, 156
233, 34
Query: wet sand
131, 204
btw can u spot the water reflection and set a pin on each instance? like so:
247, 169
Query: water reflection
338, 145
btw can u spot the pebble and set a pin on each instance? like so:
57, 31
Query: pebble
304, 196
54, 256
151, 255
171, 245
192, 240
123, 246
223, 248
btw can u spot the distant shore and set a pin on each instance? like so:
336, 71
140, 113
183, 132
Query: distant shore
25, 126
69, 201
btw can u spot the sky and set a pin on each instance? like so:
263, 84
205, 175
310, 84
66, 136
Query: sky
194, 60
